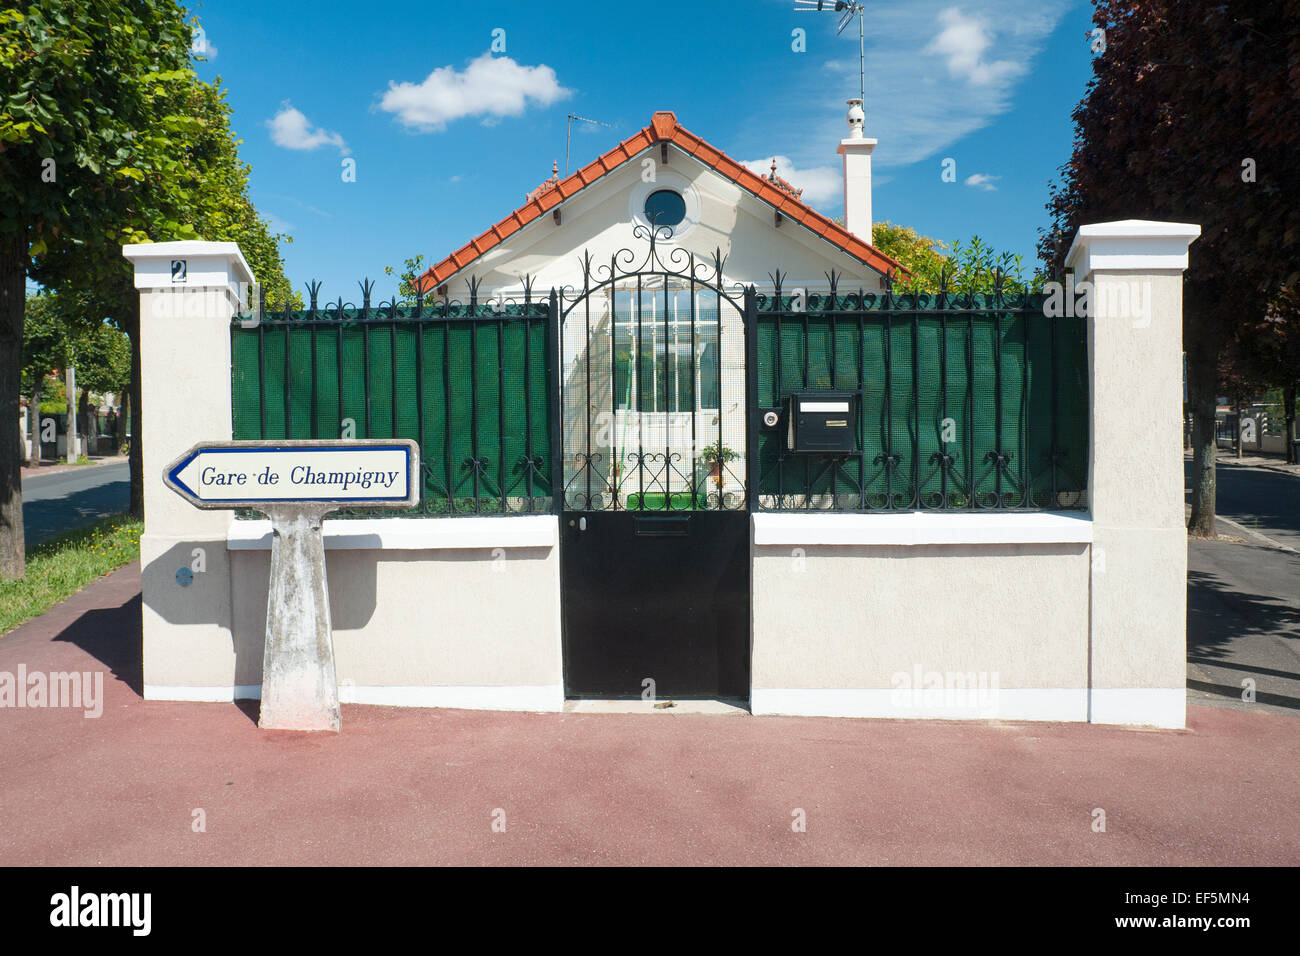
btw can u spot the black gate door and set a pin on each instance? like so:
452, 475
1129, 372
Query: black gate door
654, 551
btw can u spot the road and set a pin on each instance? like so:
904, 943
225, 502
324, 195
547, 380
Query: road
68, 499
1243, 600
1263, 500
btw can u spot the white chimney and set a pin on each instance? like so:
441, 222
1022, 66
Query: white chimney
856, 151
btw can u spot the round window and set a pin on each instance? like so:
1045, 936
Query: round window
664, 207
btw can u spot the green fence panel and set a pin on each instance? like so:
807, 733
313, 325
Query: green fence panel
972, 402
470, 385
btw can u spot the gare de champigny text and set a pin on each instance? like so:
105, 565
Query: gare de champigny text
299, 475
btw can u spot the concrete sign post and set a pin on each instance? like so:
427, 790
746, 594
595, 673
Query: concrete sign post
297, 483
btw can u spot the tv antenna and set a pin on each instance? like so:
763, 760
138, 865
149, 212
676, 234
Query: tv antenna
847, 9
568, 133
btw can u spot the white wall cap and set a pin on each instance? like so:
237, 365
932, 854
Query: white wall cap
412, 534
913, 528
859, 145
1137, 244
209, 263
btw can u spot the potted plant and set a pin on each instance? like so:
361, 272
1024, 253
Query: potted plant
716, 456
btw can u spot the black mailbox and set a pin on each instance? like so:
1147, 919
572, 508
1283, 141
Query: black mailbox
822, 423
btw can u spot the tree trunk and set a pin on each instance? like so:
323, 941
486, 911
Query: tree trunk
1202, 383
13, 300
132, 327
119, 426
87, 426
1288, 404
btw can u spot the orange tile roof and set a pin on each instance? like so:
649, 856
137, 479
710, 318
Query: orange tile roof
663, 128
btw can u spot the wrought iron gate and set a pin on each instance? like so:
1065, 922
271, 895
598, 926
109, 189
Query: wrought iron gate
655, 556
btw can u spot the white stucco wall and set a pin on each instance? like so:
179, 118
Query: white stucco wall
474, 627
964, 630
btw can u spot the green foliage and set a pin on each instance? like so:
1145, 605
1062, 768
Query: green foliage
920, 255
103, 359
141, 149
59, 332
711, 453
87, 156
970, 266
45, 338
62, 566
411, 270
107, 137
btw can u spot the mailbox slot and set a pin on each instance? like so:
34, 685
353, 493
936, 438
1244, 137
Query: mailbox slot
822, 423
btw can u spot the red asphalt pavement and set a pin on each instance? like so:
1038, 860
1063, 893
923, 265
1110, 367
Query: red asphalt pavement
415, 786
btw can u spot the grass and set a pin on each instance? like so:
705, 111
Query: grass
64, 565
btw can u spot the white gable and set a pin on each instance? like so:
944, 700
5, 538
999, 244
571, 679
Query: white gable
720, 215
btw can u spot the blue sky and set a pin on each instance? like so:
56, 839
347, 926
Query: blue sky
447, 136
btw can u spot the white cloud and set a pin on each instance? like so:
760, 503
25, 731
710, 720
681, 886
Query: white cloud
277, 224
962, 43
819, 183
490, 86
917, 106
292, 130
983, 181
280, 197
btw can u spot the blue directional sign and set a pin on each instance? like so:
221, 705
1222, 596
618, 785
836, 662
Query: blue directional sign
246, 474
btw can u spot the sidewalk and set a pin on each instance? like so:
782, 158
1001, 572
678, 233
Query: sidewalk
1227, 456
417, 786
49, 467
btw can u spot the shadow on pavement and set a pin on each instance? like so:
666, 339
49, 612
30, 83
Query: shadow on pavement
1234, 693
1219, 615
249, 708
1222, 621
113, 636
44, 518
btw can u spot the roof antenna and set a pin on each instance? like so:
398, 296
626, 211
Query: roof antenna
847, 9
569, 133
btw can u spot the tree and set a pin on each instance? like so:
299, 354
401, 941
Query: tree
1266, 354
58, 332
969, 266
142, 151
1191, 115
79, 84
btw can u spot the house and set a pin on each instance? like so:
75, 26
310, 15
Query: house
680, 439
705, 202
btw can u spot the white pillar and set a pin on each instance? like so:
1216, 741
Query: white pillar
856, 150
1138, 641
189, 293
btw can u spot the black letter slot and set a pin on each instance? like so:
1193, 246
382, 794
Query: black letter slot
675, 526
